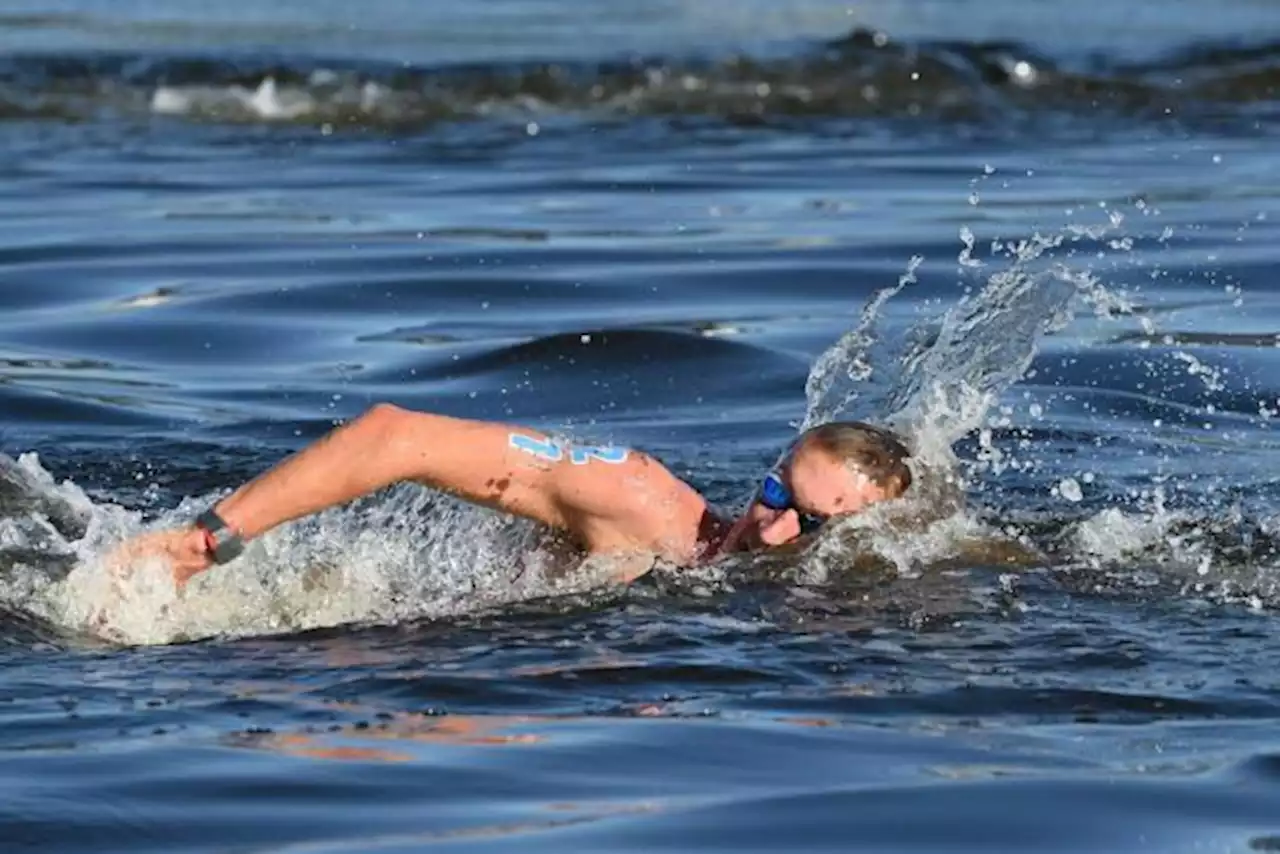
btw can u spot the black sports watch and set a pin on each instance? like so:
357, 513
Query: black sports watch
224, 543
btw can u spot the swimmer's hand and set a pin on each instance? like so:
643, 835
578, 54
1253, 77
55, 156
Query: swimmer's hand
184, 550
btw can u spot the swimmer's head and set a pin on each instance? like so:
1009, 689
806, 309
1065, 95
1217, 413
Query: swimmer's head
835, 469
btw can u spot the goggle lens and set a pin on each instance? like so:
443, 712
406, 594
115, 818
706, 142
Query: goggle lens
775, 495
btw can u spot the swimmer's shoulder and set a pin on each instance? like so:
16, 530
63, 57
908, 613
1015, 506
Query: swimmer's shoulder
652, 512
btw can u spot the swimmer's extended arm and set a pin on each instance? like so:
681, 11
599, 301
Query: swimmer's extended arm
597, 495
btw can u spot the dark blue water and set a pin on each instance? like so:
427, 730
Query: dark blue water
1040, 237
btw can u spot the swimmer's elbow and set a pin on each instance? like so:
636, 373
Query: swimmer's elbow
390, 441
466, 458
385, 418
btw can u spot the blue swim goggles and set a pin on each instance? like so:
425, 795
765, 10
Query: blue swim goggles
775, 495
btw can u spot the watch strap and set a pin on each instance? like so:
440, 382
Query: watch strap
225, 544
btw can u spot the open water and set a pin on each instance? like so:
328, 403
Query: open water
1041, 237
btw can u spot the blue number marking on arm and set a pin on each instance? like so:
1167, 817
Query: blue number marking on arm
583, 455
543, 449
551, 450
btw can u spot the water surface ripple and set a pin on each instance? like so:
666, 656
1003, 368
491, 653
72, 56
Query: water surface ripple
1040, 236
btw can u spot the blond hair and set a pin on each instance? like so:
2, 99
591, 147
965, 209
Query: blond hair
876, 452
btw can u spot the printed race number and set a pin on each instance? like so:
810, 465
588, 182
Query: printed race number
553, 452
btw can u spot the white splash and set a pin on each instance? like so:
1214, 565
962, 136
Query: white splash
943, 379
387, 559
322, 97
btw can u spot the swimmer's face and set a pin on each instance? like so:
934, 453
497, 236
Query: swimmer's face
819, 487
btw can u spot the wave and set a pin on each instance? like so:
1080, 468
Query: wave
863, 75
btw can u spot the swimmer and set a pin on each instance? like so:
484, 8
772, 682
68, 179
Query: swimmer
611, 502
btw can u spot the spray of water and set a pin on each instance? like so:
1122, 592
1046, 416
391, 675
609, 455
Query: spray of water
944, 380
940, 382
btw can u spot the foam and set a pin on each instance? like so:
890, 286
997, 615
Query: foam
271, 101
402, 555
